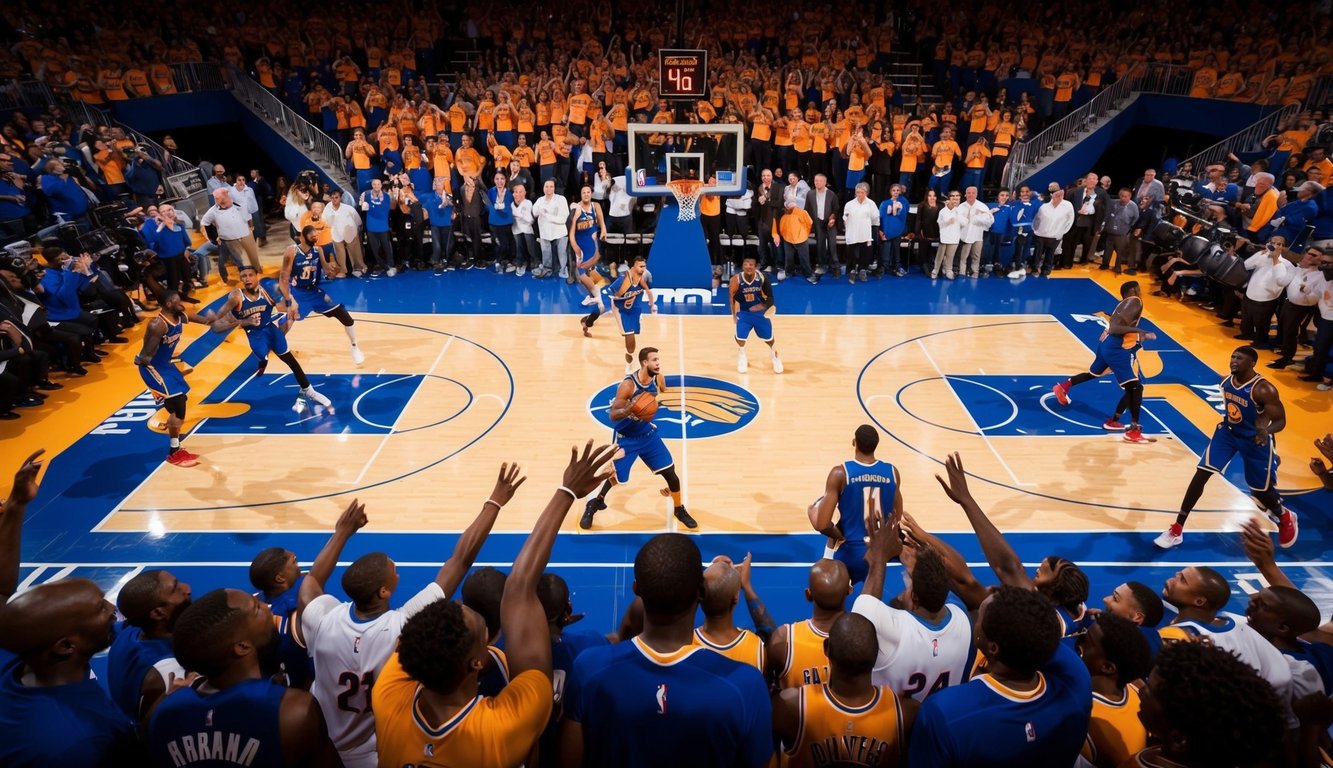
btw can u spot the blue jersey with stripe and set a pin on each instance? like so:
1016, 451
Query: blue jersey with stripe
166, 349
985, 724
631, 301
238, 726
307, 269
750, 294
1242, 410
688, 707
864, 481
632, 428
260, 305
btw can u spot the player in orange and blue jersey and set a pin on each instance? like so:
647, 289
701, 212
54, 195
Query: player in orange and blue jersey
628, 295
1116, 353
638, 439
752, 297
1254, 414
795, 652
303, 268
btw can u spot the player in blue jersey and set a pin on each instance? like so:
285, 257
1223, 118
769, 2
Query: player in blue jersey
162, 376
638, 439
303, 268
628, 293
659, 699
566, 646
852, 487
234, 708
140, 664
751, 299
1031, 706
262, 314
1254, 414
1116, 353
277, 575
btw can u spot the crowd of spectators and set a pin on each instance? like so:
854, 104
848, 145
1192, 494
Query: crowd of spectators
292, 675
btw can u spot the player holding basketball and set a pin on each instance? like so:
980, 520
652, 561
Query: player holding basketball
252, 307
303, 268
637, 437
852, 487
162, 376
628, 294
1254, 415
1116, 353
585, 229
751, 298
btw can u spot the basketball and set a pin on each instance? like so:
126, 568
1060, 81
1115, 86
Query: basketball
644, 407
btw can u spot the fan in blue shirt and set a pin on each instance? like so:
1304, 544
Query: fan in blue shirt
141, 660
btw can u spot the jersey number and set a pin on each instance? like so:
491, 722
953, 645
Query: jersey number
870, 494
355, 685
916, 683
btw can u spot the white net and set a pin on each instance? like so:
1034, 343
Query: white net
686, 192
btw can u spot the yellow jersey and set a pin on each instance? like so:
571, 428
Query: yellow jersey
1114, 733
833, 733
747, 648
489, 731
806, 663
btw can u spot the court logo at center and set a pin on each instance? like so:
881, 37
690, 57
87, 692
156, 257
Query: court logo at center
692, 406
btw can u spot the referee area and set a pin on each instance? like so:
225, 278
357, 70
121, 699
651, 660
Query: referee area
467, 371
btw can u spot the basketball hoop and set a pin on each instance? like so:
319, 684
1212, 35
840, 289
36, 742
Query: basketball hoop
687, 196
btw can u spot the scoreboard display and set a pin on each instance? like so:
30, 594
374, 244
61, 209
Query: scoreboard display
682, 74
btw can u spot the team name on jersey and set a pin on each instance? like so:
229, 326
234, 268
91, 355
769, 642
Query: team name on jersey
849, 749
867, 478
218, 746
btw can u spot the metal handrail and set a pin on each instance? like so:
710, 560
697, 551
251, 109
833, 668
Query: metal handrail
312, 141
1168, 79
82, 112
1247, 139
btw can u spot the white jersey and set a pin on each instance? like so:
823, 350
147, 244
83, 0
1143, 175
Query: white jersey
1235, 634
917, 658
349, 653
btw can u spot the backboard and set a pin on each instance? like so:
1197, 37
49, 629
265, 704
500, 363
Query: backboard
662, 152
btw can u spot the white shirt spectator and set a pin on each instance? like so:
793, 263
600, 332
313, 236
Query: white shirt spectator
796, 193
977, 219
232, 222
740, 204
552, 215
1267, 279
245, 197
1053, 220
620, 201
951, 225
858, 216
523, 218
344, 222
1303, 290
1325, 290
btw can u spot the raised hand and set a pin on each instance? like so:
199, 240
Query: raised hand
956, 486
583, 474
1325, 446
744, 570
1258, 545
884, 543
25, 479
352, 519
506, 484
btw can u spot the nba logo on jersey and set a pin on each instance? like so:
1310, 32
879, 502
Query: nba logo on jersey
693, 406
356, 644
1031, 732
935, 647
430, 750
208, 719
661, 699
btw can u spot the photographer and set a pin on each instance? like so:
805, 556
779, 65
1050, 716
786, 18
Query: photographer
143, 174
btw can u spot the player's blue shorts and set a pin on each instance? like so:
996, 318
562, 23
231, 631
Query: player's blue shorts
853, 555
753, 321
1260, 461
651, 449
163, 381
313, 301
269, 339
629, 322
1113, 357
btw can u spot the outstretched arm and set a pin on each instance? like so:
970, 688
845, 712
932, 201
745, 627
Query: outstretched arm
522, 618
1002, 558
352, 520
469, 544
965, 583
764, 625
11, 522
885, 544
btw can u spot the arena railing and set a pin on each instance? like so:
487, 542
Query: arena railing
313, 142
1168, 79
1248, 139
79, 113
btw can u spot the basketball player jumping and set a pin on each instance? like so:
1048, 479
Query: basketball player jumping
851, 488
751, 298
628, 294
162, 376
252, 307
1254, 415
1116, 353
637, 438
303, 268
